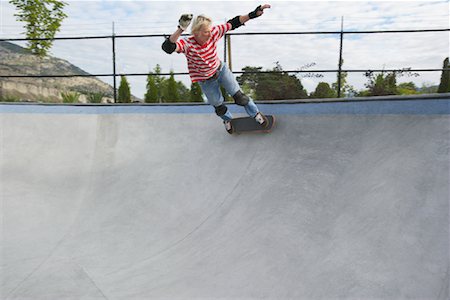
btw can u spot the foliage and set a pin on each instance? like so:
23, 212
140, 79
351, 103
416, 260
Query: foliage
124, 91
70, 97
183, 92
155, 86
95, 97
196, 93
43, 19
407, 88
323, 90
250, 78
166, 90
277, 84
226, 96
9, 98
248, 90
444, 85
172, 92
428, 88
273, 84
385, 83
381, 84
346, 89
151, 96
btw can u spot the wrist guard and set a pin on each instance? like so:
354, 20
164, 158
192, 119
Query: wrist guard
253, 14
168, 46
184, 21
235, 23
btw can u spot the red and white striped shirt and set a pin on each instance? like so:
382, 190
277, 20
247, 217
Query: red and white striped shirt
203, 60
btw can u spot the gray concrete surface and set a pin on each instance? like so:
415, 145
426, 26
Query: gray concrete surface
169, 206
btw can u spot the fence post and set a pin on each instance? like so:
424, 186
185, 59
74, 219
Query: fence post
340, 59
114, 63
225, 49
229, 53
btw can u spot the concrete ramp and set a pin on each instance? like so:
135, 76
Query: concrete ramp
167, 205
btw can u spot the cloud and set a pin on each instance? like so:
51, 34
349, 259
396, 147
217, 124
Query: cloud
370, 51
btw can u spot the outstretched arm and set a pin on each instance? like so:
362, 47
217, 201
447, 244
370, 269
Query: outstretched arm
240, 20
169, 45
176, 35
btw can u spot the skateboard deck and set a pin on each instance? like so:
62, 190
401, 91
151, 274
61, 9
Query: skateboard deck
248, 124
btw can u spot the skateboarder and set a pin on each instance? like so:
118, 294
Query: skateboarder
205, 66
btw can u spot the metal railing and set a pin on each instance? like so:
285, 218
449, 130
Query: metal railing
339, 71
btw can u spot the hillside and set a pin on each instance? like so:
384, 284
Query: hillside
16, 60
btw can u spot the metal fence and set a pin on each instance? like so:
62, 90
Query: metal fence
228, 36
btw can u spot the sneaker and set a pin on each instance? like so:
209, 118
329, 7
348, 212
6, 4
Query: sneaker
262, 119
228, 126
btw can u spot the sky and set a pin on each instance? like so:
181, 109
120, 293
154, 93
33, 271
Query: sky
292, 52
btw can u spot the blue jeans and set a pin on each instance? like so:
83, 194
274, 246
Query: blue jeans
211, 88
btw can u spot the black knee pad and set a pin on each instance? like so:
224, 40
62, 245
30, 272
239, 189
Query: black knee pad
221, 110
241, 99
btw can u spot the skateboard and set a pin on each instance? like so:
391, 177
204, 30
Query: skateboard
248, 124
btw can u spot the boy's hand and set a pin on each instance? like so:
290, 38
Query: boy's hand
258, 11
184, 21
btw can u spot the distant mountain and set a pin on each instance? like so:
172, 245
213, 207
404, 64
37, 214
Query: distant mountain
16, 60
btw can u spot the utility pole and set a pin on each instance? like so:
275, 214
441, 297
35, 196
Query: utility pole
225, 48
229, 53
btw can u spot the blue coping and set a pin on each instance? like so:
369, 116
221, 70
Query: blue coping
360, 107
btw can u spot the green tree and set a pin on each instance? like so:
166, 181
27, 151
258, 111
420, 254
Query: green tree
382, 84
248, 90
444, 85
346, 89
323, 90
161, 90
151, 96
160, 83
43, 19
407, 88
343, 77
273, 84
183, 92
124, 91
172, 91
155, 86
226, 96
196, 93
250, 78
428, 88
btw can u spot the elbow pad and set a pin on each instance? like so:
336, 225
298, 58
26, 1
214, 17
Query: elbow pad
235, 23
168, 46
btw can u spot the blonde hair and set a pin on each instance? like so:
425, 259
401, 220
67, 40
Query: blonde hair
199, 21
